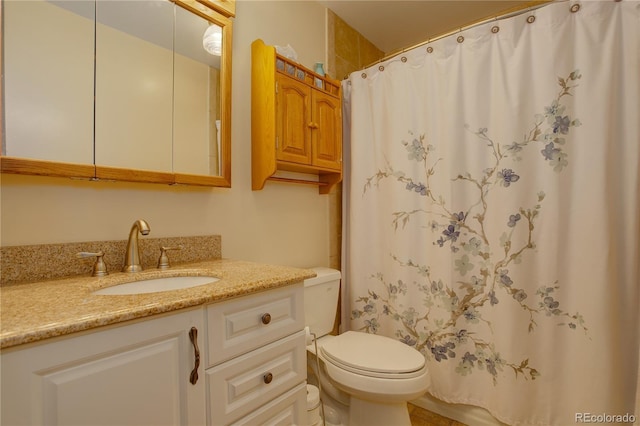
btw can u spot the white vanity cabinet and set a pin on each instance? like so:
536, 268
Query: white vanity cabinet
251, 369
134, 374
257, 359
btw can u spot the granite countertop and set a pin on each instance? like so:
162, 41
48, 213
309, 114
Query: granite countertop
35, 311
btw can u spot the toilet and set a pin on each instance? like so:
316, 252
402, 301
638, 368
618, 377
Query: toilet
366, 379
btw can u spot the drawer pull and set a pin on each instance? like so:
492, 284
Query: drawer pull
268, 378
193, 336
266, 318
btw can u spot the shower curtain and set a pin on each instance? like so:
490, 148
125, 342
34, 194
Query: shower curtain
492, 211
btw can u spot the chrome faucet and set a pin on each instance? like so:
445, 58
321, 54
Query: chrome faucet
132, 256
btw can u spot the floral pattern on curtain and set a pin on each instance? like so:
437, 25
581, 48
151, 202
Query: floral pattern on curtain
482, 266
493, 211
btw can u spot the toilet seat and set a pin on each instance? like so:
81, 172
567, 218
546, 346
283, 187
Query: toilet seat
374, 356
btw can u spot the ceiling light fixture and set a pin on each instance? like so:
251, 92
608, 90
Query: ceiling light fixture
212, 40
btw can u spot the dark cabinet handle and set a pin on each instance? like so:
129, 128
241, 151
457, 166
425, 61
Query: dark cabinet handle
268, 378
193, 336
266, 318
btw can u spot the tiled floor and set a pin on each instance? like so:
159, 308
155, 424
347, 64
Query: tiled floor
422, 417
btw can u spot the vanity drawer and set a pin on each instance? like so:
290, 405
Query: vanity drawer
287, 409
240, 386
241, 325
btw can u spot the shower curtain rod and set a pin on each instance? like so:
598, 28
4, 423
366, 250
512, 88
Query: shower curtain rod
517, 10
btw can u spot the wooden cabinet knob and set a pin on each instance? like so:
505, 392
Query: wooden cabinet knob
268, 378
266, 318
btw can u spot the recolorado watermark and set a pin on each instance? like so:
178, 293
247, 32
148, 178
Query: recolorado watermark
604, 418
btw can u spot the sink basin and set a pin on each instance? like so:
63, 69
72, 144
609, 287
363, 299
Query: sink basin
154, 285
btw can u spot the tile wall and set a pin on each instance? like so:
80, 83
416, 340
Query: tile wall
348, 51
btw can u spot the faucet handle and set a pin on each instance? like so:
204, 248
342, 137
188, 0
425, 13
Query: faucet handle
163, 261
99, 267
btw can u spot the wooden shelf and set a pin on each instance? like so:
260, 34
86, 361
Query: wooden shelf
294, 70
301, 181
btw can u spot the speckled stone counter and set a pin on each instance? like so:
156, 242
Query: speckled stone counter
35, 311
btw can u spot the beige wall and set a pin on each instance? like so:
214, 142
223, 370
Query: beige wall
284, 223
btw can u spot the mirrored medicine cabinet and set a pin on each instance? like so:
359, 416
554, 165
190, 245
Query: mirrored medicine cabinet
117, 90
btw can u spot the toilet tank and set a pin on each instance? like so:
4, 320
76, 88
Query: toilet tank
321, 300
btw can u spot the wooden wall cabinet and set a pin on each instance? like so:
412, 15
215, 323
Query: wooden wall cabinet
296, 121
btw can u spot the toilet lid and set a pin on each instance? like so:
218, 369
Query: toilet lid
373, 355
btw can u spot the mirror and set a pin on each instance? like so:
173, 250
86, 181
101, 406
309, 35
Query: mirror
161, 111
48, 80
196, 95
134, 84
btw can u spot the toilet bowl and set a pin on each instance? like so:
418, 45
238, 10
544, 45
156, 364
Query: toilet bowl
374, 367
371, 376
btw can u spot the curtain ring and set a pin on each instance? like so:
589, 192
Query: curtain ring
495, 29
381, 68
531, 19
575, 8
403, 59
429, 49
363, 75
460, 39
